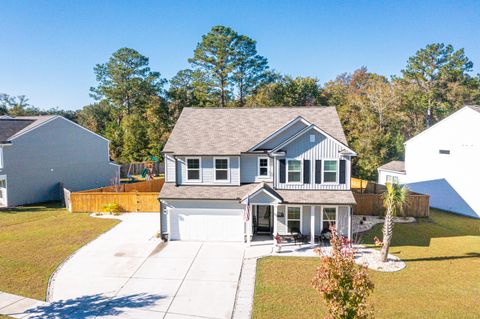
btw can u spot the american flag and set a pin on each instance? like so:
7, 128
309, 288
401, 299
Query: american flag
246, 212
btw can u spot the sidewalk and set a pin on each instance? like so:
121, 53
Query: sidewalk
18, 306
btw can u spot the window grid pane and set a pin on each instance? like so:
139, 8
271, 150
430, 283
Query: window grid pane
294, 166
294, 176
330, 166
193, 163
221, 174
221, 164
193, 174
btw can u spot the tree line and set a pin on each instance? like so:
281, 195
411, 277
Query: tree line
136, 108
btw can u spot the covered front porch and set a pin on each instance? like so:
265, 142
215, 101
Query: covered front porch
270, 215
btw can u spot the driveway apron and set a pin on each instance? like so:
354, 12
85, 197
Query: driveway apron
120, 275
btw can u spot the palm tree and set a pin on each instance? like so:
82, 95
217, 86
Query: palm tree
394, 200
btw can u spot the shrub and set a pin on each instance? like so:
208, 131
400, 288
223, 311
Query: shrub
342, 283
112, 209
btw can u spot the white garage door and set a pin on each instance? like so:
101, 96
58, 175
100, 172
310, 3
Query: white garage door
203, 224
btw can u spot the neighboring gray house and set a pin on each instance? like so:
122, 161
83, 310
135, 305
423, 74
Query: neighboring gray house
291, 166
39, 152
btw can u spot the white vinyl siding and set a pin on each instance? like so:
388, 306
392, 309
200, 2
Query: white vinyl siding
322, 149
208, 171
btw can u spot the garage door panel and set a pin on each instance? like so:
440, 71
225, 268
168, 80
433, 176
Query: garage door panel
207, 224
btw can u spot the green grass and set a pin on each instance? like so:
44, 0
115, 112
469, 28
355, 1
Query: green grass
441, 280
35, 240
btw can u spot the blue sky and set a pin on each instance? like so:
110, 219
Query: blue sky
48, 48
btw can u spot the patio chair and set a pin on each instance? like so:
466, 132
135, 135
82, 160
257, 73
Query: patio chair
298, 237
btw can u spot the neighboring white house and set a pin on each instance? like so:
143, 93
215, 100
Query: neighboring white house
37, 153
392, 172
442, 161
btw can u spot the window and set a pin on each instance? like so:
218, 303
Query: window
312, 138
330, 171
193, 169
329, 217
444, 152
263, 166
294, 219
222, 166
392, 179
294, 171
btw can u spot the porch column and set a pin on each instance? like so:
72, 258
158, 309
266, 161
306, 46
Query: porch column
275, 216
248, 224
350, 218
168, 223
312, 225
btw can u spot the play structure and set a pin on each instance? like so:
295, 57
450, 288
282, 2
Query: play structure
147, 169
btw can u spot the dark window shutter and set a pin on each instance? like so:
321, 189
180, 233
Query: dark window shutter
282, 169
343, 171
318, 171
306, 171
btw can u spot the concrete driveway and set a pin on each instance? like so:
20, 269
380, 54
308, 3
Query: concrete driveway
123, 274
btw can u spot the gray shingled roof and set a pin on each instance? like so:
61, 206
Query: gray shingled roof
230, 131
396, 166
171, 191
10, 127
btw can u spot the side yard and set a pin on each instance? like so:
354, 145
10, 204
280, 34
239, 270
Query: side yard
441, 279
34, 240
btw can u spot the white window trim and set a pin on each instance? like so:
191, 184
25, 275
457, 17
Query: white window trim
394, 179
321, 215
286, 218
215, 170
301, 171
199, 168
337, 178
268, 167
1, 157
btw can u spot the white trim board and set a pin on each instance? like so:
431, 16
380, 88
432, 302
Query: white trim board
305, 130
280, 130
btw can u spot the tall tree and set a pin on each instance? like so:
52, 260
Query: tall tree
250, 68
128, 90
435, 70
231, 64
288, 91
394, 200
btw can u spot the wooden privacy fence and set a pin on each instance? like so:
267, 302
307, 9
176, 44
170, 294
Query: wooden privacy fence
136, 197
145, 186
418, 205
127, 202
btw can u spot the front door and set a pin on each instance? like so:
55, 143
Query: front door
263, 220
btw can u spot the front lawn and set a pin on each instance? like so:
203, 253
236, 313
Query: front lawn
441, 280
34, 240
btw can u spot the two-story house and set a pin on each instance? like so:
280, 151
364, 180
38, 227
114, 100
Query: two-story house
289, 166
37, 153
